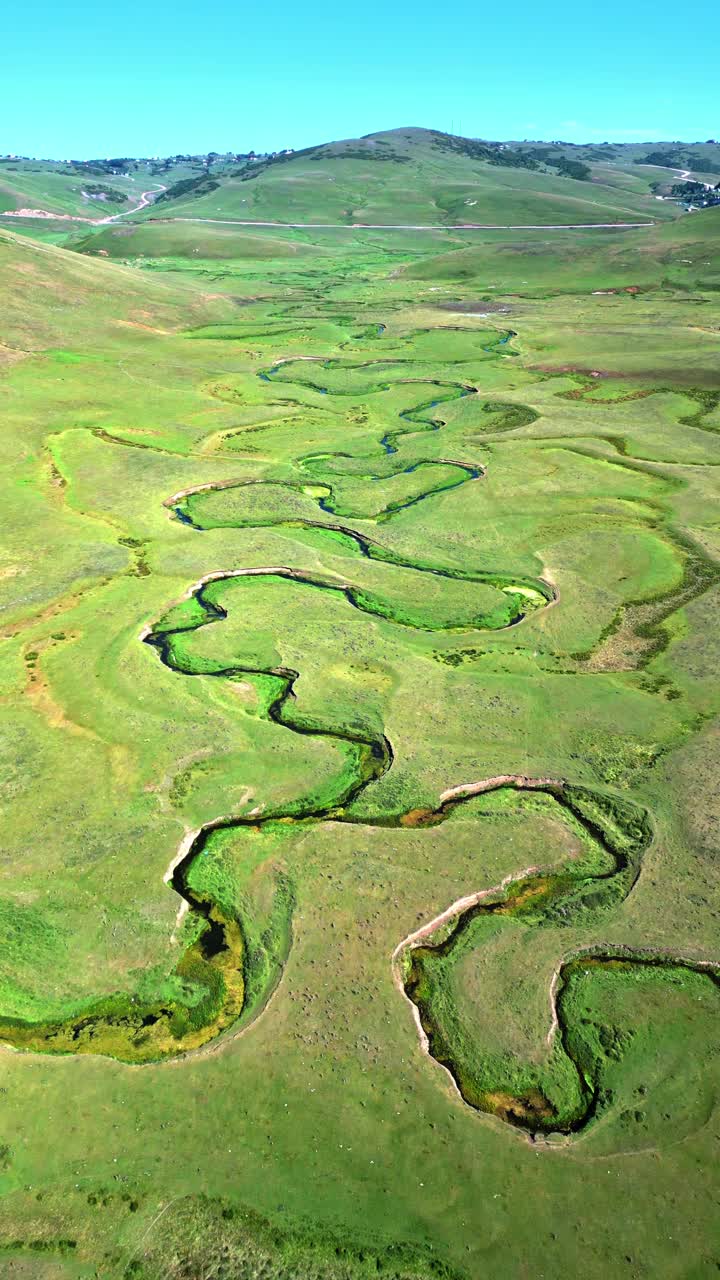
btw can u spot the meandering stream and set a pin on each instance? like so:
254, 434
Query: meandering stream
207, 992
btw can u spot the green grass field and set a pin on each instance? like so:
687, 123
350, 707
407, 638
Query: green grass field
360, 741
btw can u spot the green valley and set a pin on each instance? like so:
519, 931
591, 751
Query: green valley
360, 715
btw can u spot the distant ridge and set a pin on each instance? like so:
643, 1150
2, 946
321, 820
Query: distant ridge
408, 176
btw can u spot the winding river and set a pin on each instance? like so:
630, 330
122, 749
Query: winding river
207, 993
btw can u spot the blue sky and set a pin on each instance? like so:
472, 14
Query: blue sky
150, 77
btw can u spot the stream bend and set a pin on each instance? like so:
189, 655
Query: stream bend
516, 1092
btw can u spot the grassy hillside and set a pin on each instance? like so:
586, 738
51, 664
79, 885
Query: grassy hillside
684, 253
643, 161
90, 189
405, 175
167, 239
54, 298
411, 176
59, 188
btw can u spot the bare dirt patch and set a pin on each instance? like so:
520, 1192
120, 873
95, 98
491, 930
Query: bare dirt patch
474, 308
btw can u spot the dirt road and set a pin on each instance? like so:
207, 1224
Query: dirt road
146, 199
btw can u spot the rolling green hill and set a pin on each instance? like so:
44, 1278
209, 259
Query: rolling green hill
93, 189
407, 176
60, 188
168, 239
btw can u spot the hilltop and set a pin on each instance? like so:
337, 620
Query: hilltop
415, 176
399, 176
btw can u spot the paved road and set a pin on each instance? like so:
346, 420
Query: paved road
147, 198
408, 226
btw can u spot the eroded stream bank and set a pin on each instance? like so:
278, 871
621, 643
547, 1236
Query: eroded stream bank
563, 1093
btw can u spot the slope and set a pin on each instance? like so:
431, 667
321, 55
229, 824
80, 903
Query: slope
168, 239
684, 253
409, 176
61, 188
51, 296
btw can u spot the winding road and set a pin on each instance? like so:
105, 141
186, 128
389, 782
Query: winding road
146, 199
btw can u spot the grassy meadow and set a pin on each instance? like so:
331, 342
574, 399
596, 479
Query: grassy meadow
359, 702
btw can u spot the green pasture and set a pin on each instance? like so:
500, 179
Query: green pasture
479, 504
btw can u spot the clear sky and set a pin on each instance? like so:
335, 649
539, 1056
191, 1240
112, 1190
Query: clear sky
151, 77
